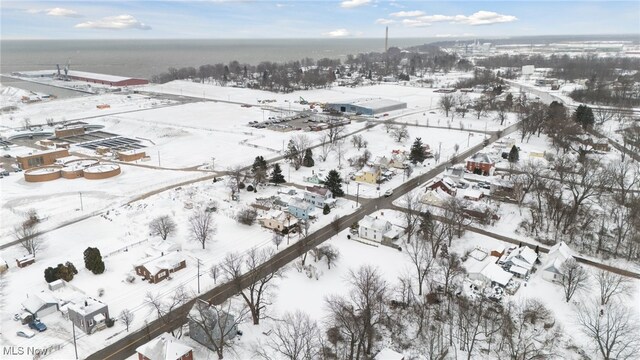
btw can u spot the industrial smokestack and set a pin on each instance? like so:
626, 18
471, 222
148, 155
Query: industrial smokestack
386, 39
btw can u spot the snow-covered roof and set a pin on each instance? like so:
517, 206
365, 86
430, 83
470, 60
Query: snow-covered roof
523, 253
518, 270
162, 247
86, 306
168, 261
31, 152
164, 347
482, 158
318, 190
371, 222
558, 254
37, 301
300, 204
473, 193
373, 104
388, 354
561, 249
96, 76
496, 274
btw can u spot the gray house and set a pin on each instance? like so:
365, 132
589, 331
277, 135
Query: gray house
40, 304
89, 315
210, 326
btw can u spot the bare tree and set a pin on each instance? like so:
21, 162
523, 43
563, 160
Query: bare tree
277, 240
527, 332
247, 216
603, 114
501, 114
166, 306
214, 272
358, 141
611, 285
574, 278
389, 126
433, 232
368, 294
217, 325
162, 226
400, 133
451, 268
411, 214
127, 316
325, 147
302, 142
29, 239
345, 325
295, 337
474, 318
237, 173
256, 283
455, 218
340, 149
613, 329
329, 252
419, 252
334, 132
480, 107
446, 103
202, 227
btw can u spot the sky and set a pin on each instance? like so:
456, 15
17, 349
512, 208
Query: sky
224, 19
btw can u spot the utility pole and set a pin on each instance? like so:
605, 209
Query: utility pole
357, 195
75, 346
439, 151
213, 159
81, 206
158, 158
198, 275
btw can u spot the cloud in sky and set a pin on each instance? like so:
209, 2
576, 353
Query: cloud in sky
407, 13
385, 21
337, 33
348, 4
55, 12
478, 18
120, 22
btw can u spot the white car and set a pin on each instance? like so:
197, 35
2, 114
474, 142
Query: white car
26, 333
388, 193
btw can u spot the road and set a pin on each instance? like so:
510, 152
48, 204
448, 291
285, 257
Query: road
126, 346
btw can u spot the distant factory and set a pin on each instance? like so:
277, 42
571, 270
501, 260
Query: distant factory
367, 106
89, 77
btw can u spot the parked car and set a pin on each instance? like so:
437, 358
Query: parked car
25, 333
38, 325
484, 185
388, 193
4, 173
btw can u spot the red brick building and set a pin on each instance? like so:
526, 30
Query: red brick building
481, 164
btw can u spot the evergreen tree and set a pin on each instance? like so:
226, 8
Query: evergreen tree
417, 154
259, 169
326, 209
93, 260
333, 182
514, 154
64, 273
276, 176
308, 159
584, 116
50, 274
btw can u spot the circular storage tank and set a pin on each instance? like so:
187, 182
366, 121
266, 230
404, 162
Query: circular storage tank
101, 171
74, 169
44, 173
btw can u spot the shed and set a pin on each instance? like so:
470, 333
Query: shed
40, 304
388, 354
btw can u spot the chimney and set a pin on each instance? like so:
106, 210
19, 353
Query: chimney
86, 303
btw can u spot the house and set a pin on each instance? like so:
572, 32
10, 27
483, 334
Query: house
435, 197
445, 184
502, 189
278, 221
488, 272
162, 247
455, 173
370, 175
89, 315
164, 347
25, 261
472, 194
207, 323
382, 161
159, 268
481, 164
300, 208
388, 354
314, 179
520, 261
558, 254
41, 304
372, 228
318, 196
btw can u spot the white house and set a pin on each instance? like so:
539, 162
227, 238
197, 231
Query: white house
318, 196
488, 272
372, 228
520, 261
164, 347
558, 254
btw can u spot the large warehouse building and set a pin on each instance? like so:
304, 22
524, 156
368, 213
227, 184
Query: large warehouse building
367, 106
105, 79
